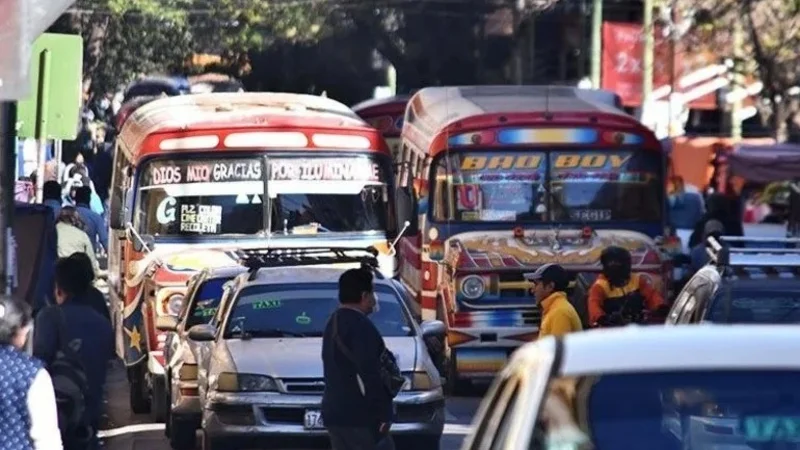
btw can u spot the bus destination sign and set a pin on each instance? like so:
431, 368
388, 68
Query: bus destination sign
203, 171
324, 169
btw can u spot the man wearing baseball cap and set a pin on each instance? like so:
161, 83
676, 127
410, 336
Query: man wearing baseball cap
559, 317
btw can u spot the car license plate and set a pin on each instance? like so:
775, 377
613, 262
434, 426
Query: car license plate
313, 420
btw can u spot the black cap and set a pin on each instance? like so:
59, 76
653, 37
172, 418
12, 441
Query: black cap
550, 273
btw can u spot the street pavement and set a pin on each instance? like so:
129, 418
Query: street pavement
124, 430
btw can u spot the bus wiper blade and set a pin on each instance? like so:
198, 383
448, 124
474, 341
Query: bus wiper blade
273, 332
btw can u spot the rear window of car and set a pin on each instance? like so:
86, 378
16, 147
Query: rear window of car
757, 409
208, 297
754, 306
291, 310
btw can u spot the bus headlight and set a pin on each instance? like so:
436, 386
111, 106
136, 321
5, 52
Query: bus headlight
172, 304
473, 287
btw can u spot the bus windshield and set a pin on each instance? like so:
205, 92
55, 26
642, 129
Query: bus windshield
329, 194
199, 196
545, 186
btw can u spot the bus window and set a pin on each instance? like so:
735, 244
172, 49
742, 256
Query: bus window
607, 186
201, 196
336, 194
491, 186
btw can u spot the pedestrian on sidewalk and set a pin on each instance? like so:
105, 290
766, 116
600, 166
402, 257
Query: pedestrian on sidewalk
72, 237
28, 409
357, 405
89, 294
51, 196
72, 327
95, 225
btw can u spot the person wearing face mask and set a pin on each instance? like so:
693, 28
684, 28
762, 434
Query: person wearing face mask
620, 297
28, 408
357, 404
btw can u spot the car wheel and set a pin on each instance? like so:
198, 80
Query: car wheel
158, 400
137, 390
183, 435
423, 442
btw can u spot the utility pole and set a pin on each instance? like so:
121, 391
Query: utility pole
517, 7
8, 119
597, 41
736, 107
647, 53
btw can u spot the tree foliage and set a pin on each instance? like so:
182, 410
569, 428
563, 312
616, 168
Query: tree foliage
125, 38
771, 37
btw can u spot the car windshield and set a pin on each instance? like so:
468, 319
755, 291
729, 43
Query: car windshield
336, 194
201, 196
302, 310
208, 298
755, 306
546, 186
719, 409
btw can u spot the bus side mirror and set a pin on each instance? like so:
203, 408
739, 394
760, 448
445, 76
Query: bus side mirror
127, 212
407, 211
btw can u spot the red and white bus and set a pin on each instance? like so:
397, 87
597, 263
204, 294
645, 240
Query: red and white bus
197, 176
385, 115
507, 178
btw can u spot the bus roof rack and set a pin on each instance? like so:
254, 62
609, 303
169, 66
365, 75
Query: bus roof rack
722, 254
258, 258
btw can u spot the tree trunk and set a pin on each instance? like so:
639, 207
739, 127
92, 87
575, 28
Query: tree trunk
93, 48
780, 115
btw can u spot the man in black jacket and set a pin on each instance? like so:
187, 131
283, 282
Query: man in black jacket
356, 406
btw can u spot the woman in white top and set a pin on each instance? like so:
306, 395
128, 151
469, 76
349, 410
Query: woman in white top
28, 408
72, 237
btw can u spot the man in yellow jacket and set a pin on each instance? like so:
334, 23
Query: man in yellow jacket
559, 317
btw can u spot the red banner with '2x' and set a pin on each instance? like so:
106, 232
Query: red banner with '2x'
623, 45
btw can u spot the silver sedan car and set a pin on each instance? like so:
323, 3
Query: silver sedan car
262, 378
204, 294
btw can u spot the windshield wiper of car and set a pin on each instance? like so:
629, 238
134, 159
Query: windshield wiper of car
268, 333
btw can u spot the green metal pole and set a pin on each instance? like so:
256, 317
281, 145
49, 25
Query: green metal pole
647, 53
597, 41
40, 131
736, 107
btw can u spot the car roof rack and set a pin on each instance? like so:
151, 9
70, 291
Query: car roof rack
723, 254
259, 258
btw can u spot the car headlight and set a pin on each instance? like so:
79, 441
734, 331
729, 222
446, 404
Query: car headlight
473, 287
187, 372
417, 381
243, 382
172, 304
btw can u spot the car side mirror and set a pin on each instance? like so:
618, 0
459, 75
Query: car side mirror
141, 241
433, 328
202, 333
407, 207
167, 323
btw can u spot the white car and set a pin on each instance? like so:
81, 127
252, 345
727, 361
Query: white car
686, 387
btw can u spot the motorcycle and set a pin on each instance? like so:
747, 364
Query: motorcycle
622, 319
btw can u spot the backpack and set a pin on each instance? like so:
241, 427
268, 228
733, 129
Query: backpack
71, 388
